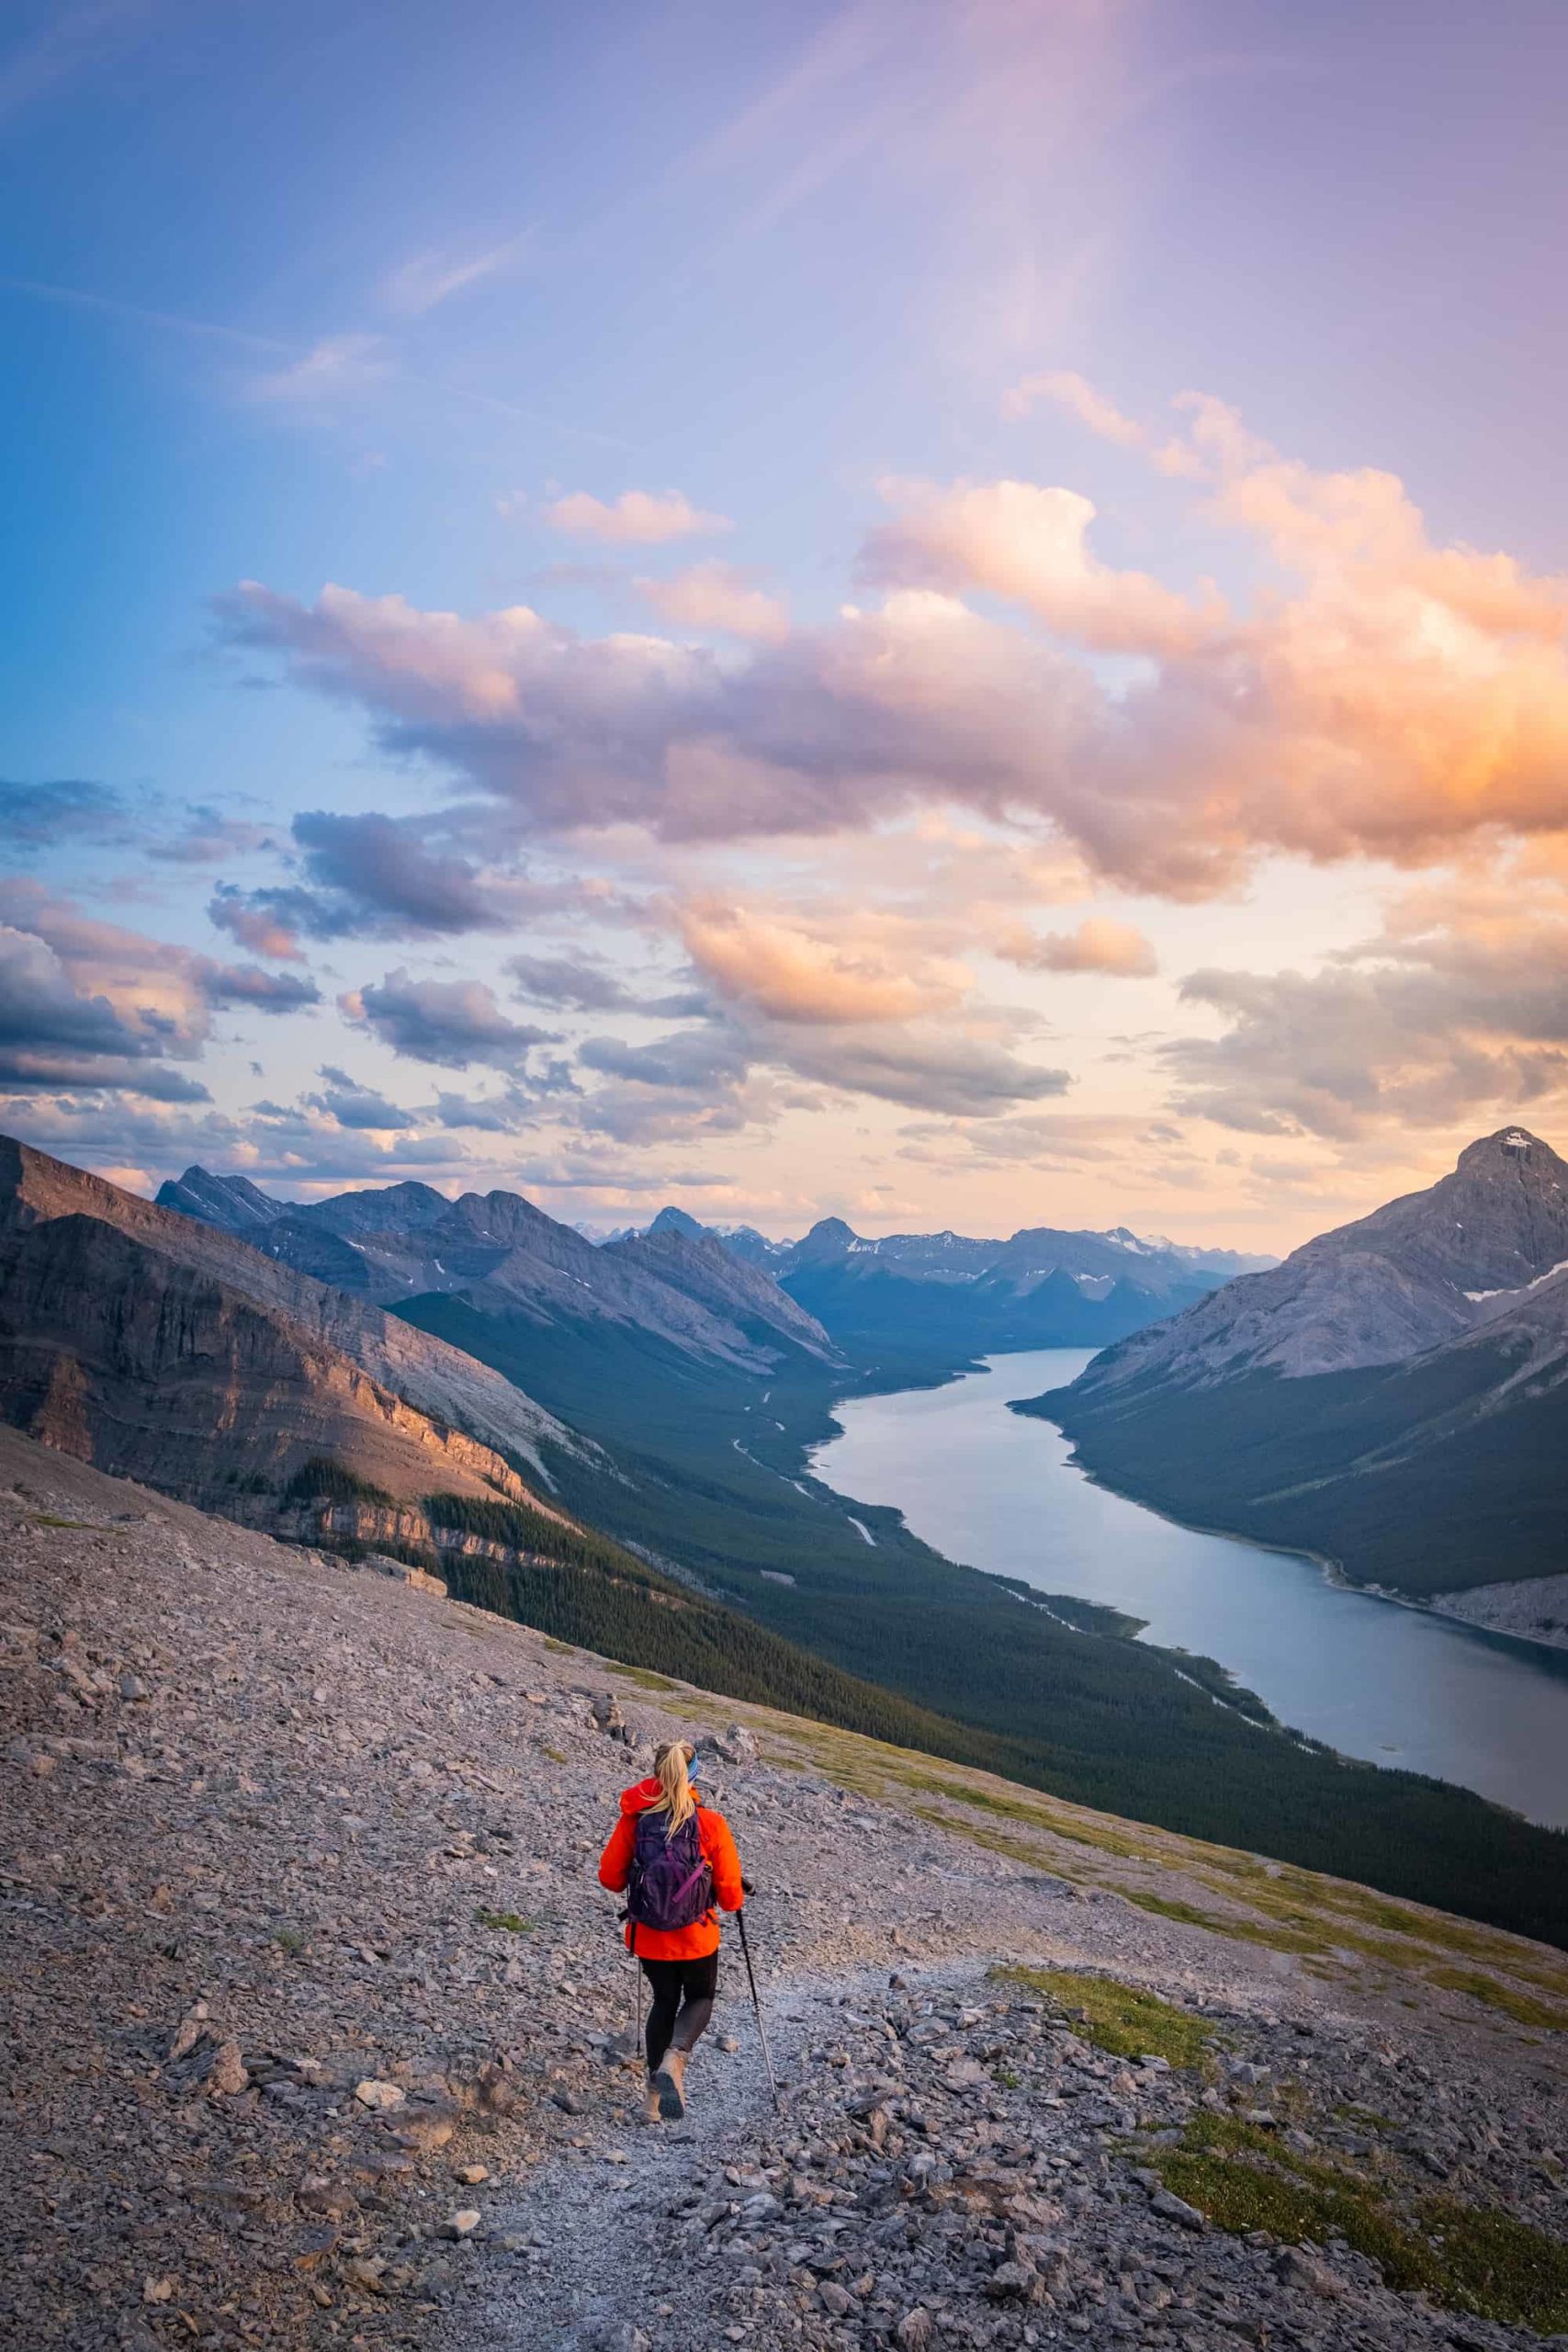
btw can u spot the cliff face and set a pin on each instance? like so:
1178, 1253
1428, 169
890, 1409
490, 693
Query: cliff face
132, 1354
230, 1329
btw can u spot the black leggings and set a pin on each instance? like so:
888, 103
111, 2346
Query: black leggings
684, 1994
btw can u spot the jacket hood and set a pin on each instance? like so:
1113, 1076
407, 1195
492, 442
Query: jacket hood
644, 1793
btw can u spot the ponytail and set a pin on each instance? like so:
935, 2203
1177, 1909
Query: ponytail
676, 1795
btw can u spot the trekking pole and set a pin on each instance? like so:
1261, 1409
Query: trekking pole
634, 2055
756, 2004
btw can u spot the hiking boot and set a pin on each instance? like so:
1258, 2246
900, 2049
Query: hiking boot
650, 2100
671, 2085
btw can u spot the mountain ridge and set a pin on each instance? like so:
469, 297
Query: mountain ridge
508, 1256
1393, 1396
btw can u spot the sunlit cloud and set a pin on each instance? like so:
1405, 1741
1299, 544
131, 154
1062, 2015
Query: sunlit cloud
715, 596
791, 973
1401, 698
1114, 950
638, 518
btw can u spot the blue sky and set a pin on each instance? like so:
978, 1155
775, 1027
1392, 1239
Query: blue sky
946, 775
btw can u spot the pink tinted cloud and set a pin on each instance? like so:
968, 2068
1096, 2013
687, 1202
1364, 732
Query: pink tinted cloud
1396, 699
716, 596
1115, 950
1029, 544
640, 518
792, 972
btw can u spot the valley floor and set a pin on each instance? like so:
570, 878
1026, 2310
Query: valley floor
318, 2019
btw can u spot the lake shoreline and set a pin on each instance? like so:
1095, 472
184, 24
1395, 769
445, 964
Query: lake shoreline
1474, 1704
1443, 1605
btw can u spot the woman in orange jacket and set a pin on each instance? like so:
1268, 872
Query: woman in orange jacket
674, 1860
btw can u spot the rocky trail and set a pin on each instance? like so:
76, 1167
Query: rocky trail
317, 2020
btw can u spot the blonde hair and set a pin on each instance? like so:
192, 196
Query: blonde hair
676, 1795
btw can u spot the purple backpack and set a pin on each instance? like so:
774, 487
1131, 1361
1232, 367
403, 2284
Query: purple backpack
671, 1885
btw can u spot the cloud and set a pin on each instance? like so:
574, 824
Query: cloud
1457, 1012
263, 991
789, 973
1077, 394
39, 1005
1116, 950
38, 816
429, 278
497, 1114
1083, 399
337, 365
956, 1077
353, 1105
640, 518
1393, 698
455, 1023
686, 1058
716, 596
1019, 541
582, 984
922, 699
377, 878
208, 838
266, 921
55, 1034
85, 1003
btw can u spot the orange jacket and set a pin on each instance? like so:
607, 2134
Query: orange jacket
718, 1852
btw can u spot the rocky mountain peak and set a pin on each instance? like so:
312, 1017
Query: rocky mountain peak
231, 1202
674, 1220
1497, 1221
1419, 1272
828, 1238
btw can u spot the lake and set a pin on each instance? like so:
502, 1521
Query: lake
997, 1489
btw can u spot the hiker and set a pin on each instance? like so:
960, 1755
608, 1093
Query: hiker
673, 1858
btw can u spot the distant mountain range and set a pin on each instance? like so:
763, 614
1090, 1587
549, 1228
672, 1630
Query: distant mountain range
946, 1293
396, 1242
1393, 1396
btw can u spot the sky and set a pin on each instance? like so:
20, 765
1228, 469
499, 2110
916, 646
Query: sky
951, 615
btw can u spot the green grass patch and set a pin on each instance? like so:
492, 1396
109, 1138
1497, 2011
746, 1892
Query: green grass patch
1038, 1815
291, 1940
47, 1519
1469, 2258
1521, 2007
980, 1833
643, 1675
1500, 2267
1247, 1932
511, 1922
1121, 2018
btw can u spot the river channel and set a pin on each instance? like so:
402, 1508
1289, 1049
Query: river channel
1393, 1685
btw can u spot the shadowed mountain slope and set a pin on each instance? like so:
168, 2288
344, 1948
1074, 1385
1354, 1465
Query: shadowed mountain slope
1394, 1395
